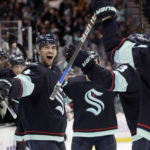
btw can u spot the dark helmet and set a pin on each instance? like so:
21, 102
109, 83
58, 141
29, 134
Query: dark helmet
17, 59
45, 39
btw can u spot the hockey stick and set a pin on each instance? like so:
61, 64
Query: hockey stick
4, 104
78, 48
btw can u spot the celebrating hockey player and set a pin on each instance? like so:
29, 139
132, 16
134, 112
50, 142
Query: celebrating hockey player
134, 50
42, 122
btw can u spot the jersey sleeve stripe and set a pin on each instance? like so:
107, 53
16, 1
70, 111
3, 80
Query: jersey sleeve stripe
120, 44
113, 79
21, 88
27, 84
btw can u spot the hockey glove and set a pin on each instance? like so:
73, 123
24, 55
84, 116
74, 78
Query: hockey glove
5, 86
104, 9
84, 60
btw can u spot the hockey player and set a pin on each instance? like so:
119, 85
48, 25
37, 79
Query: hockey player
134, 50
94, 116
17, 66
42, 121
124, 80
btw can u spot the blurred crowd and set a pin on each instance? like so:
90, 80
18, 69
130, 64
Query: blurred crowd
66, 19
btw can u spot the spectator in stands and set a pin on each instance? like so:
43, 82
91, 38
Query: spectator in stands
120, 14
67, 19
15, 47
3, 43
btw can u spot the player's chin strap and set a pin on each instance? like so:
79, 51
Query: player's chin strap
78, 48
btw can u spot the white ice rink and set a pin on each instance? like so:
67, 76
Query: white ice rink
124, 146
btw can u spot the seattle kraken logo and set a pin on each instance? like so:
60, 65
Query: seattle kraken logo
90, 98
60, 99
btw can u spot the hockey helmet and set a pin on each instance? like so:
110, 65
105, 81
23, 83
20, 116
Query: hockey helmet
45, 39
17, 59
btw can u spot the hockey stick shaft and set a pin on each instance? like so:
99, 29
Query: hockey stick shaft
14, 115
78, 48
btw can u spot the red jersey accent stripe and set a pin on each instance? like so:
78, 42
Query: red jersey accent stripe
113, 79
40, 132
133, 132
143, 125
20, 86
76, 130
120, 44
20, 141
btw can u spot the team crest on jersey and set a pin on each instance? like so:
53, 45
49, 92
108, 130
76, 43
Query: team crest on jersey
91, 98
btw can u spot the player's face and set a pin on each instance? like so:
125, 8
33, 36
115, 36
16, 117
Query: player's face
48, 54
17, 69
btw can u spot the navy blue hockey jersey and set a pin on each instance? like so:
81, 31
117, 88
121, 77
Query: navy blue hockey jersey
125, 81
94, 113
40, 118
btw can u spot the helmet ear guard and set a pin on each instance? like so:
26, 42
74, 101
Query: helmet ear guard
45, 39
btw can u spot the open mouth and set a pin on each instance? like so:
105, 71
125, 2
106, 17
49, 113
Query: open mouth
49, 57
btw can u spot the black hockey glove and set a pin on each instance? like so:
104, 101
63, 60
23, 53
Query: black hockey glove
5, 86
104, 9
84, 60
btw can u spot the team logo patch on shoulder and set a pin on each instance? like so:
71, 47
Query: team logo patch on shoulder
26, 72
